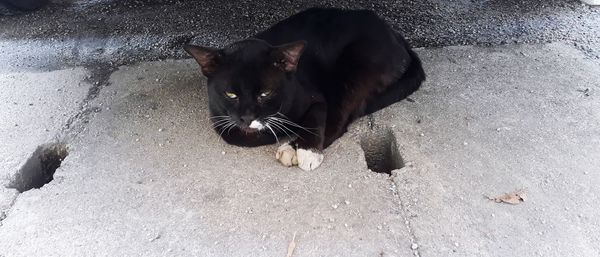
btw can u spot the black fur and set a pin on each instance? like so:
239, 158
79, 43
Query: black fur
319, 70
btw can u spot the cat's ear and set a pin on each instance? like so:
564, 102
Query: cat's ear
290, 55
207, 57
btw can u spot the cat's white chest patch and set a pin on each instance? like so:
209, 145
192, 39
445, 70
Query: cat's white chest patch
256, 125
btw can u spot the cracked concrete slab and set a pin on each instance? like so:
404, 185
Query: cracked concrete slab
496, 120
150, 178
147, 177
35, 107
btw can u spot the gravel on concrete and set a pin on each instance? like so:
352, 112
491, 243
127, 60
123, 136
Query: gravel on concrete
148, 178
497, 120
145, 176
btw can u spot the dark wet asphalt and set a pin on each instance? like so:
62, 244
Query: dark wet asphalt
156, 29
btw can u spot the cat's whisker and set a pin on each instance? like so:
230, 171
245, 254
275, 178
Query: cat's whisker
284, 127
233, 125
220, 123
221, 128
288, 122
274, 134
291, 123
227, 127
224, 124
219, 118
278, 127
286, 118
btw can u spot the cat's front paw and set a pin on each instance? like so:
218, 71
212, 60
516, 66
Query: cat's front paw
309, 159
286, 154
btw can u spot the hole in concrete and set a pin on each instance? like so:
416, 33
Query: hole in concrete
40, 167
381, 151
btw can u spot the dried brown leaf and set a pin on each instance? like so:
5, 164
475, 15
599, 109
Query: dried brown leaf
515, 197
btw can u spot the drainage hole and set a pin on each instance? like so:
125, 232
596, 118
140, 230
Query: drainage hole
39, 169
381, 151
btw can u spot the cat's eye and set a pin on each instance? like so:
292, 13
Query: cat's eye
265, 93
230, 95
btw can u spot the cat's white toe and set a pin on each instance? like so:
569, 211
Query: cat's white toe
286, 154
309, 159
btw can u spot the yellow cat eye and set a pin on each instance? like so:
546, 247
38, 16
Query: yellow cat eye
265, 93
230, 95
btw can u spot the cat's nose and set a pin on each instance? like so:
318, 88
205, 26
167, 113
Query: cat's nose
247, 119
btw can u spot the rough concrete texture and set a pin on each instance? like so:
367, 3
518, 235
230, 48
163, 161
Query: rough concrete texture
147, 177
35, 108
495, 120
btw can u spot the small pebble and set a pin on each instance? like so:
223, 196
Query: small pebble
422, 134
347, 202
223, 153
160, 130
414, 246
334, 206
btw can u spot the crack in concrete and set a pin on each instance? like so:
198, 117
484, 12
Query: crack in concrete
4, 213
98, 79
403, 211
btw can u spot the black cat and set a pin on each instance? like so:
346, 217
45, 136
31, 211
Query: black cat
306, 78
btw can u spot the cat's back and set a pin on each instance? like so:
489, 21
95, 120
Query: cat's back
319, 25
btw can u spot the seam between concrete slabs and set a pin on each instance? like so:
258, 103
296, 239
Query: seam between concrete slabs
407, 224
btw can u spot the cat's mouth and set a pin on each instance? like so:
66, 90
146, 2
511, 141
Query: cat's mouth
248, 130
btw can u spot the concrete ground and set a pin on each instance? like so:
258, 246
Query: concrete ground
145, 176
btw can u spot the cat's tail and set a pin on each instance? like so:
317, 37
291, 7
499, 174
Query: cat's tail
409, 83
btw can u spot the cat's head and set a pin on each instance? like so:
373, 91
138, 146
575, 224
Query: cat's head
248, 81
